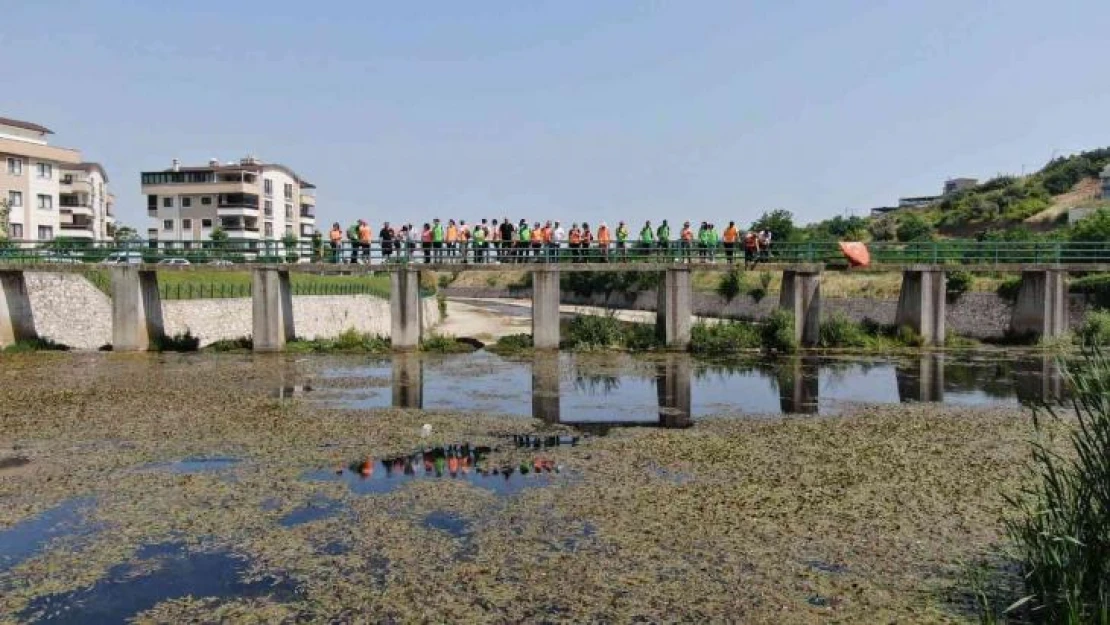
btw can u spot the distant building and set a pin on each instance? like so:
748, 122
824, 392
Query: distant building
915, 202
959, 184
1105, 179
879, 211
250, 200
50, 191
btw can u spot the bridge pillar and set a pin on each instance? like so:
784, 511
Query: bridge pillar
922, 304
1042, 304
136, 309
922, 381
545, 387
672, 385
675, 308
16, 321
801, 296
799, 386
272, 309
406, 315
545, 308
408, 381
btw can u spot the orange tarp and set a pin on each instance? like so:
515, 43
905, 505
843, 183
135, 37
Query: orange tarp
857, 253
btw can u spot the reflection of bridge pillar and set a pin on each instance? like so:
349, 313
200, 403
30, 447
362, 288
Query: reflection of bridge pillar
922, 381
16, 321
799, 386
1042, 304
136, 309
405, 314
545, 308
545, 386
921, 303
1038, 379
674, 308
408, 381
271, 309
801, 296
672, 384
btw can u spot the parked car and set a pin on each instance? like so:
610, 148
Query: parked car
174, 261
220, 262
61, 259
123, 258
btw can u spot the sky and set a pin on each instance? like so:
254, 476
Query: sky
569, 109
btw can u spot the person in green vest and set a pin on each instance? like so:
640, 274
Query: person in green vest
523, 241
663, 234
622, 241
714, 238
437, 239
352, 240
703, 241
647, 240
479, 235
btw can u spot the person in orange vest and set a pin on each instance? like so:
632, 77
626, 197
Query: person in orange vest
548, 243
537, 240
730, 237
364, 240
587, 241
751, 249
604, 238
452, 239
575, 241
336, 238
686, 242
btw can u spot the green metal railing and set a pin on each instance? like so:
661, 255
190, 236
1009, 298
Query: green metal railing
171, 253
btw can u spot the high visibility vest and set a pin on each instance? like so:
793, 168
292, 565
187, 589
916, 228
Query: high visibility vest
336, 235
664, 233
730, 234
525, 234
437, 233
622, 234
537, 235
645, 235
587, 237
687, 235
452, 234
575, 236
480, 235
603, 235
364, 234
547, 234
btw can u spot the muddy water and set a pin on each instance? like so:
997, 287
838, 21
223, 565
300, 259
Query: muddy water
673, 389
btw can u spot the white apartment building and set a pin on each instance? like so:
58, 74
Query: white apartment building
49, 191
250, 200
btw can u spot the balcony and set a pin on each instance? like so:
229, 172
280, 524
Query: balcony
78, 231
308, 213
308, 199
240, 210
74, 206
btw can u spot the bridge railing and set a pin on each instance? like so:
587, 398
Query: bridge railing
944, 252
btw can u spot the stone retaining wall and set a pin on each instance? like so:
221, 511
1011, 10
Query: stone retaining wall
975, 315
68, 309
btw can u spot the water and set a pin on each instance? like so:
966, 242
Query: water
27, 539
128, 590
191, 465
315, 510
457, 462
608, 390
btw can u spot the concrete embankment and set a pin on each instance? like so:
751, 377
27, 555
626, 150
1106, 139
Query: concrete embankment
70, 310
975, 315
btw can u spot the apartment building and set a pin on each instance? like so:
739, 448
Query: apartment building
249, 200
50, 192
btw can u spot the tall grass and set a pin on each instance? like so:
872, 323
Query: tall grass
1062, 527
607, 332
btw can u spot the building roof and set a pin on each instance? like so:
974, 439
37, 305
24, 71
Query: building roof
255, 168
88, 167
15, 123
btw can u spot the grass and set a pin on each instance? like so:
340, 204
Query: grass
593, 332
202, 283
1095, 330
444, 344
348, 341
512, 344
34, 345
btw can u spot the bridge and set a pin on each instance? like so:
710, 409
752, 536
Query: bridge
1041, 308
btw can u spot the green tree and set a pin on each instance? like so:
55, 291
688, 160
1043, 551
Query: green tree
219, 235
5, 215
780, 222
1093, 228
913, 227
292, 245
125, 234
884, 228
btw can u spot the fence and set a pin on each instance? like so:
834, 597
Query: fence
174, 253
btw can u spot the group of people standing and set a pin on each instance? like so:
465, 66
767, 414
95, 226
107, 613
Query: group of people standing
502, 241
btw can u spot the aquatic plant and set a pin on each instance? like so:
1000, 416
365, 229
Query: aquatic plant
512, 343
777, 333
242, 343
839, 331
444, 344
350, 340
40, 344
1061, 531
179, 342
724, 337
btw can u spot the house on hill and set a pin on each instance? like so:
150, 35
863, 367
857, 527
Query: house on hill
1104, 178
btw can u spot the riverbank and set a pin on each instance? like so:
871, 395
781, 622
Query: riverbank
869, 516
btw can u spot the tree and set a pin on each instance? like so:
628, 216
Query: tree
291, 243
219, 235
913, 227
1094, 228
884, 228
779, 222
5, 214
125, 234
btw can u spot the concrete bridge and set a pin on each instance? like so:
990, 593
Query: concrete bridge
1041, 308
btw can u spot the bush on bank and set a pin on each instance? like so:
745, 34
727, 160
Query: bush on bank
34, 345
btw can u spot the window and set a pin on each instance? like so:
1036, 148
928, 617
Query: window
178, 177
15, 199
288, 212
206, 201
167, 202
186, 202
46, 233
288, 230
151, 203
269, 229
186, 224
186, 245
46, 170
45, 202
268, 208
167, 224
16, 231
15, 167
267, 186
288, 191
205, 223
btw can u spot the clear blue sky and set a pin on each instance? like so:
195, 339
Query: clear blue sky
580, 109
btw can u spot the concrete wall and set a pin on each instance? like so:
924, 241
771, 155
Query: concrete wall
976, 315
70, 310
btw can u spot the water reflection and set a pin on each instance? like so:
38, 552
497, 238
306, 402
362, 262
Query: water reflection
599, 391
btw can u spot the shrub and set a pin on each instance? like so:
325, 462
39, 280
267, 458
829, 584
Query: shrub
1095, 330
730, 285
599, 332
350, 340
839, 331
34, 345
724, 337
1095, 286
777, 332
1008, 289
1062, 527
444, 344
180, 342
512, 343
957, 283
243, 343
